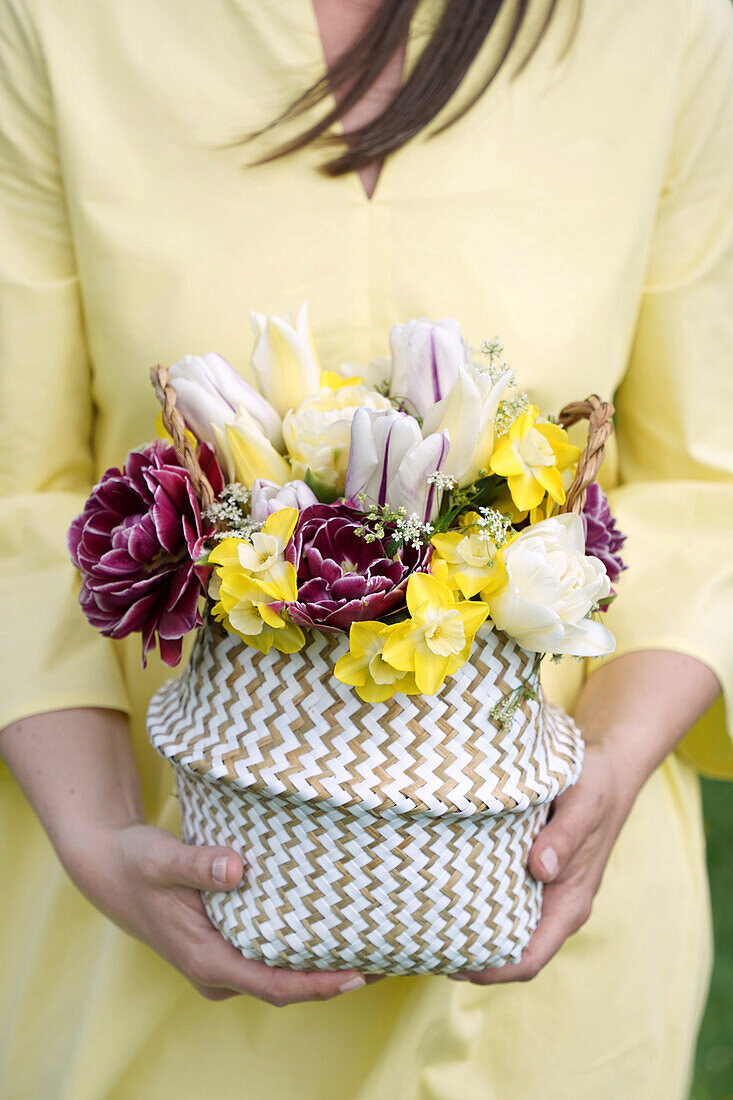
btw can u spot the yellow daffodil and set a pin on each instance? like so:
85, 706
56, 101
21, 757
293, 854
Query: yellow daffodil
249, 608
546, 508
262, 558
532, 456
469, 561
253, 580
437, 638
365, 668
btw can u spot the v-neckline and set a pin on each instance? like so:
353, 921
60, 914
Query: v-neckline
354, 177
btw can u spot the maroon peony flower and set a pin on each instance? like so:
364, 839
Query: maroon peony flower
603, 540
342, 578
135, 544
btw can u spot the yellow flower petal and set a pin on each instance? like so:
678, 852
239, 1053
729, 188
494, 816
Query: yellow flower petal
281, 524
351, 669
473, 614
334, 381
523, 423
504, 461
565, 453
441, 571
526, 491
550, 479
399, 648
430, 672
253, 456
424, 588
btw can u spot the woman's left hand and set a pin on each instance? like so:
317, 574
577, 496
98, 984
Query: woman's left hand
633, 711
570, 856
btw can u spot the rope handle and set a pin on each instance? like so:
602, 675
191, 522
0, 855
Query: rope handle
175, 425
600, 427
598, 414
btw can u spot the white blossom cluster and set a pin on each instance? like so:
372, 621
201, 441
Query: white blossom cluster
496, 366
441, 480
494, 525
412, 531
407, 529
229, 513
509, 409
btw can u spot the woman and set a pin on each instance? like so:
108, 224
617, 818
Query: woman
580, 211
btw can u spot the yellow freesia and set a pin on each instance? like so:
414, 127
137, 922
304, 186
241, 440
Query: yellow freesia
469, 561
436, 640
365, 668
532, 456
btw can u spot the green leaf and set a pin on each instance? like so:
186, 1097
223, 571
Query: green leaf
325, 493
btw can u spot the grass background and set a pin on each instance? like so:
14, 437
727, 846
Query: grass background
714, 1063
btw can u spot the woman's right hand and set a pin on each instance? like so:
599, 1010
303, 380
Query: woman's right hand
147, 881
77, 769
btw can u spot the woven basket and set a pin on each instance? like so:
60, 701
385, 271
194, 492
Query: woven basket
390, 837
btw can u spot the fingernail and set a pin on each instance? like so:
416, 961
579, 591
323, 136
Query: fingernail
460, 977
219, 869
550, 862
353, 983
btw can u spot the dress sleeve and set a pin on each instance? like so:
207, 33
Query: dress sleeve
674, 419
51, 657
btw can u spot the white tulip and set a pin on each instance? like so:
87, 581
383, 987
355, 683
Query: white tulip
210, 392
426, 358
467, 413
284, 358
268, 497
551, 587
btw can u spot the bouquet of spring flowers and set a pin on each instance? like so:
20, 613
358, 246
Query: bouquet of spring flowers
384, 554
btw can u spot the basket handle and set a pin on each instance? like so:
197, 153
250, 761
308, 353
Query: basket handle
175, 424
600, 426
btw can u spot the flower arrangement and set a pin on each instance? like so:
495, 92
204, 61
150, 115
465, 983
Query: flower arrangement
402, 503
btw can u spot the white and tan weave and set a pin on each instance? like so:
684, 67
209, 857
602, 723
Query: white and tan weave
390, 837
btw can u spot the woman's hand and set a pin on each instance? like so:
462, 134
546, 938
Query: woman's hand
147, 881
633, 711
77, 769
570, 855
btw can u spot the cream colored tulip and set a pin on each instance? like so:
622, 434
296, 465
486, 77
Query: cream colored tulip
247, 454
284, 358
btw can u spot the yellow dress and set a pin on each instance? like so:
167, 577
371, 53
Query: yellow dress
582, 212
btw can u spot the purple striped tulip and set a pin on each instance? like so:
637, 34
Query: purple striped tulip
425, 361
390, 462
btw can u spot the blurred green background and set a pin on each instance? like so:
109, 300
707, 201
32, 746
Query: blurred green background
714, 1064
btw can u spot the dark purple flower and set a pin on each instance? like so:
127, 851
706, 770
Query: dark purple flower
342, 578
603, 540
135, 544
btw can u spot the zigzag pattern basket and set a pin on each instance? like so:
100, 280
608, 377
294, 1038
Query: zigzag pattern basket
389, 837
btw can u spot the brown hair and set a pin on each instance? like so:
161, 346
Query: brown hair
438, 72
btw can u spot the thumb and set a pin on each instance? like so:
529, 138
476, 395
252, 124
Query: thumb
564, 834
170, 862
